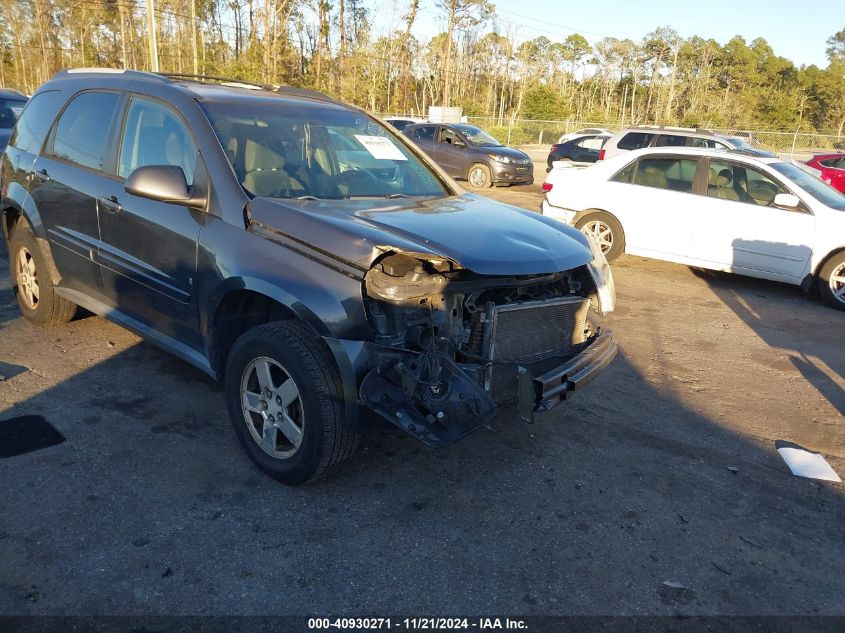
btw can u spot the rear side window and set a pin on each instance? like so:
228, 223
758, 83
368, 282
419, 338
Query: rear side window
635, 140
424, 133
670, 140
83, 129
675, 174
835, 163
35, 121
697, 141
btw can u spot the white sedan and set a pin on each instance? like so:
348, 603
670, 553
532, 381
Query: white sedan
716, 209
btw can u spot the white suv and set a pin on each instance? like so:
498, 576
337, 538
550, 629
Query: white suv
643, 136
716, 209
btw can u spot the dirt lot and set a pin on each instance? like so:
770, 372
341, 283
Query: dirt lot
664, 470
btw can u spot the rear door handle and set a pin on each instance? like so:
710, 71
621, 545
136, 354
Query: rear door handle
110, 204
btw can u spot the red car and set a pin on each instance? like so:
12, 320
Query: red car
832, 167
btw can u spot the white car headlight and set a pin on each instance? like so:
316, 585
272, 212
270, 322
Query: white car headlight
603, 278
500, 158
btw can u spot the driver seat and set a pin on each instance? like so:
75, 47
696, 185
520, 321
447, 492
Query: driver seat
265, 173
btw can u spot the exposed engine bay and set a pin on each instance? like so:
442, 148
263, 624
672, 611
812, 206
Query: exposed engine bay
451, 345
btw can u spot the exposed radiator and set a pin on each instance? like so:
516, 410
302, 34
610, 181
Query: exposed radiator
537, 334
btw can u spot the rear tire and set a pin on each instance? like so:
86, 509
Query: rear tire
606, 230
33, 288
479, 176
832, 281
286, 403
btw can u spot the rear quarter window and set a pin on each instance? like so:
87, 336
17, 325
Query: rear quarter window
635, 140
35, 121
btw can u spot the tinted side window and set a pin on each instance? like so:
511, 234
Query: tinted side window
155, 136
625, 175
697, 141
83, 129
835, 163
670, 140
635, 140
424, 133
740, 183
35, 121
675, 174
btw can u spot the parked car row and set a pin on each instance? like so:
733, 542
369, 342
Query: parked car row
713, 208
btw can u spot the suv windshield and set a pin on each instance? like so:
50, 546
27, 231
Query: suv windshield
477, 136
10, 110
820, 191
280, 149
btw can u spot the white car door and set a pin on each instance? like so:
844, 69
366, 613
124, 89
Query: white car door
740, 230
656, 205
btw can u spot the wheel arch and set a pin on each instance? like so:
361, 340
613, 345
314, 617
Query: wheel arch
21, 209
240, 303
824, 260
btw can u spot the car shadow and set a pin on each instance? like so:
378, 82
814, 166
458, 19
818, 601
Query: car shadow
624, 496
784, 325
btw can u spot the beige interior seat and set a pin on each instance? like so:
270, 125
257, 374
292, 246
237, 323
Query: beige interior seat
265, 173
652, 176
720, 185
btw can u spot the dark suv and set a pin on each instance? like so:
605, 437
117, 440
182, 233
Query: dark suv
300, 251
468, 152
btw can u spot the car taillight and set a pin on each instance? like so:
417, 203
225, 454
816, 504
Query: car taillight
601, 155
546, 187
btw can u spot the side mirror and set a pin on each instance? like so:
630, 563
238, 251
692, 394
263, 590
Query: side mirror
163, 183
787, 201
458, 143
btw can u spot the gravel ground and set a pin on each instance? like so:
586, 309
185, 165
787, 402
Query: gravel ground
664, 470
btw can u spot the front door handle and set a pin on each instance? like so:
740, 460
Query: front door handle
110, 204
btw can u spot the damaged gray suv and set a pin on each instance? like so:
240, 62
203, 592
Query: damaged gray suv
301, 252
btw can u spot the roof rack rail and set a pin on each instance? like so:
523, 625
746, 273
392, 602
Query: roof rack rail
303, 92
227, 81
697, 130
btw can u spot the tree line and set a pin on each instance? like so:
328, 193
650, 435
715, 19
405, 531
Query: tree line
479, 62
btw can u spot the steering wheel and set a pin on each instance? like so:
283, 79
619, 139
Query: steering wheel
354, 178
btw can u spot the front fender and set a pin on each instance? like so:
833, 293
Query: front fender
274, 292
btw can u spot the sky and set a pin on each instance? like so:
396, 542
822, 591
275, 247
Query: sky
795, 29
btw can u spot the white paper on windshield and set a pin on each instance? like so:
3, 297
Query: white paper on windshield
807, 464
380, 147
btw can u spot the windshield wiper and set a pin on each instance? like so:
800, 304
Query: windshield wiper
394, 196
308, 197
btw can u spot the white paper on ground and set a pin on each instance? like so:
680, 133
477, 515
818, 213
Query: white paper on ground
380, 147
806, 464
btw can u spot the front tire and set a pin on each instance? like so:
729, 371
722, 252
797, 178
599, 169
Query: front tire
479, 176
286, 403
34, 290
832, 281
605, 230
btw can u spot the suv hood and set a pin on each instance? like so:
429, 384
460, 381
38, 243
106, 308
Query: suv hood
487, 237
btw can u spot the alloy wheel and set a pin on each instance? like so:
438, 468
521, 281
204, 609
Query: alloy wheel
477, 177
272, 407
600, 232
27, 278
837, 282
